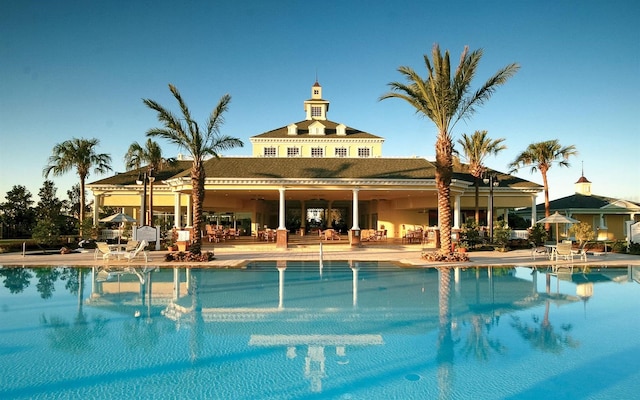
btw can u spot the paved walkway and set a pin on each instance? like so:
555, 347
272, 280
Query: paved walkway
229, 256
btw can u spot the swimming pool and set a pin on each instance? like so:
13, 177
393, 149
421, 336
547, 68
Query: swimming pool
341, 330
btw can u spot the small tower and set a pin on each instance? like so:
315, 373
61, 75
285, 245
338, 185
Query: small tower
316, 108
583, 186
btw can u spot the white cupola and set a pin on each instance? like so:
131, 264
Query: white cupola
316, 108
583, 186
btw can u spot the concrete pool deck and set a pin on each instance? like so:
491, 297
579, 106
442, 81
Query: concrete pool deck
229, 256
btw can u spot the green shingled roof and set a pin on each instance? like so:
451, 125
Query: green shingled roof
303, 131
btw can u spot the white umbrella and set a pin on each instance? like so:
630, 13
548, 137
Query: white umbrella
119, 218
557, 218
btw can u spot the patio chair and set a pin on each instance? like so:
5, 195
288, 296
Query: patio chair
131, 245
581, 251
563, 250
103, 250
139, 251
538, 250
330, 234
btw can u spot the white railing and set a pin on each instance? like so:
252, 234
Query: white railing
109, 234
520, 234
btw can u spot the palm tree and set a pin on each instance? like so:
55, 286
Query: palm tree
445, 98
541, 156
151, 155
186, 133
476, 148
81, 155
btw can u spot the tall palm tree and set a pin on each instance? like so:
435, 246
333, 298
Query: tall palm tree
541, 156
445, 97
151, 155
81, 155
186, 133
476, 148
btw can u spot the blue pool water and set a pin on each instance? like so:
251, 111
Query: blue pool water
298, 330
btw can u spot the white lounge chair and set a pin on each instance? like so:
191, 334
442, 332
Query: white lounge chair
139, 251
563, 250
581, 251
103, 250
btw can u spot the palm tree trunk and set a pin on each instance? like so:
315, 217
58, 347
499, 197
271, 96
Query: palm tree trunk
477, 185
81, 212
547, 212
197, 193
444, 171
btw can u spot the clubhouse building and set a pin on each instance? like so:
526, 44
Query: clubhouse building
312, 175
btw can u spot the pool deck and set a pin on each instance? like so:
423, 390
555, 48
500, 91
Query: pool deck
230, 255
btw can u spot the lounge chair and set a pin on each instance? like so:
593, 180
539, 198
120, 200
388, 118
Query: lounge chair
131, 245
539, 250
581, 251
139, 251
563, 250
103, 250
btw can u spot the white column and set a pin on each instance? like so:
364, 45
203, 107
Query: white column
97, 198
356, 224
189, 211
176, 210
534, 216
456, 212
303, 212
281, 212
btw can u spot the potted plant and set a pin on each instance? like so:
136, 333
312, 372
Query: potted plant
171, 238
462, 246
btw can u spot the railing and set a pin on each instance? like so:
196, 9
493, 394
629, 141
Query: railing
520, 234
109, 234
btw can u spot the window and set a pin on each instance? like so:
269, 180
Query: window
341, 152
317, 152
316, 91
316, 111
293, 152
364, 152
270, 152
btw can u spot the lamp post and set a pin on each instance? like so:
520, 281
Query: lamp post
144, 197
146, 178
492, 181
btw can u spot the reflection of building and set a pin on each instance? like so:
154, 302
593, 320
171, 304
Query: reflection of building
335, 171
315, 359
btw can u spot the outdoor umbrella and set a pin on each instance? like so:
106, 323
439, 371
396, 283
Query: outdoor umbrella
119, 218
557, 218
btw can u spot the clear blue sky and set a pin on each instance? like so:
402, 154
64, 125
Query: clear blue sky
81, 68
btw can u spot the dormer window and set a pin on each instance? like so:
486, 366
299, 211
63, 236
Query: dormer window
270, 152
364, 152
341, 152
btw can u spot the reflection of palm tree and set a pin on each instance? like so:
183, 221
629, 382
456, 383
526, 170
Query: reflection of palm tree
479, 343
444, 356
544, 337
197, 326
77, 337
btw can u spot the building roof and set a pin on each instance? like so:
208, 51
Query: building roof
313, 168
303, 131
579, 201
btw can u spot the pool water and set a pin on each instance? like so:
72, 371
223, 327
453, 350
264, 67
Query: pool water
301, 330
